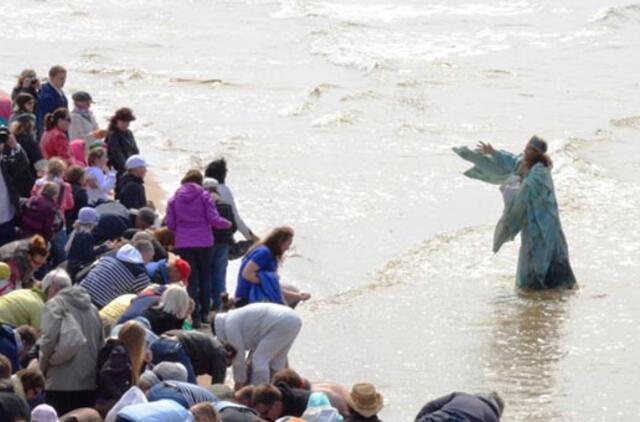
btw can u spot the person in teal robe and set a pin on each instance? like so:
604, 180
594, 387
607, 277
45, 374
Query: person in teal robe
531, 209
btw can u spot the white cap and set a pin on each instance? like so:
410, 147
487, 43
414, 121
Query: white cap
134, 162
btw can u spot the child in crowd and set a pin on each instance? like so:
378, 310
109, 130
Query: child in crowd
100, 180
81, 247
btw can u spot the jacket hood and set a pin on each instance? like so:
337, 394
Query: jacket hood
190, 192
74, 296
129, 254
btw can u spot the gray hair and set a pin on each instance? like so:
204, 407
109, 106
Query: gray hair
57, 278
175, 301
143, 245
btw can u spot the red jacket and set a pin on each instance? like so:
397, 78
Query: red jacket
55, 143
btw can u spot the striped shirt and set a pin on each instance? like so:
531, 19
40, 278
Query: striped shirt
112, 278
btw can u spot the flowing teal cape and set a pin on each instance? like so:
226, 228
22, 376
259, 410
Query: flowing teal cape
543, 261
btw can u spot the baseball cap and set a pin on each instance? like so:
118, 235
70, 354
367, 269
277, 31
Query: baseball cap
135, 161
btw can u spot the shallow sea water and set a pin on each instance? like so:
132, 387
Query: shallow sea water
337, 118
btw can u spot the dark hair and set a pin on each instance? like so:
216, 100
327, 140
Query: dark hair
74, 174
289, 377
275, 240
21, 100
5, 367
125, 114
38, 246
217, 169
165, 237
51, 119
543, 157
31, 379
27, 73
55, 70
23, 126
192, 176
95, 154
265, 394
27, 334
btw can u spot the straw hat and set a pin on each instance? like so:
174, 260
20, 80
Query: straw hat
365, 400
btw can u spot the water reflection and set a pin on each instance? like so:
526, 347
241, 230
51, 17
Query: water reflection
526, 345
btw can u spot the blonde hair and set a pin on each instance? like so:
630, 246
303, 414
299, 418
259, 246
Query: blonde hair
55, 168
50, 190
132, 337
175, 301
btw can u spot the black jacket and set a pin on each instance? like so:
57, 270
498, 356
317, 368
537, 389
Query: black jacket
162, 321
130, 191
122, 145
80, 200
32, 149
206, 353
12, 165
225, 236
114, 220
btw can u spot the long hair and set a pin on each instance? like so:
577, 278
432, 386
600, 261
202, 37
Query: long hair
51, 119
27, 73
175, 301
132, 337
274, 241
542, 156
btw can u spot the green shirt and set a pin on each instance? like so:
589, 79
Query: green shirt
22, 307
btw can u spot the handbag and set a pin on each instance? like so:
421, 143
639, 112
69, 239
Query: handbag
70, 340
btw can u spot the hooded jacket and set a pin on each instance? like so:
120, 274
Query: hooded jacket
78, 373
55, 143
130, 191
191, 214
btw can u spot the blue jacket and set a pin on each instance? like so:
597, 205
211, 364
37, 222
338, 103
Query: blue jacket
268, 290
48, 101
9, 346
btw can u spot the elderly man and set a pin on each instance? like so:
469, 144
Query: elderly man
117, 275
70, 372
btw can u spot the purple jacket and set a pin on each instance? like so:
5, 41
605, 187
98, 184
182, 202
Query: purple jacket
191, 214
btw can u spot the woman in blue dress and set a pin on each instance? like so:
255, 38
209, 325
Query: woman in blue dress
531, 209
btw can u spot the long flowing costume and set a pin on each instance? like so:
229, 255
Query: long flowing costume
543, 262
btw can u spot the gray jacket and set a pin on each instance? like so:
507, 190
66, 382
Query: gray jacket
79, 373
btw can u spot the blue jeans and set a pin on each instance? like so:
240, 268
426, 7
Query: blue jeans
58, 242
199, 281
218, 271
7, 232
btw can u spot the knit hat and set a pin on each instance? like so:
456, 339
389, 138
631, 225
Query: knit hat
171, 371
183, 268
44, 413
5, 271
88, 215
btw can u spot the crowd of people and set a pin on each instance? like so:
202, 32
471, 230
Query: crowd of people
110, 311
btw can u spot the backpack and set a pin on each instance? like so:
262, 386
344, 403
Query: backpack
171, 350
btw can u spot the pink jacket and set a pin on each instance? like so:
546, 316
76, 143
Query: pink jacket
191, 214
